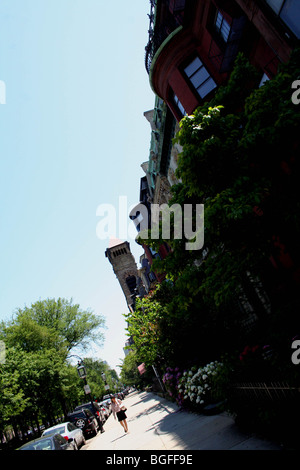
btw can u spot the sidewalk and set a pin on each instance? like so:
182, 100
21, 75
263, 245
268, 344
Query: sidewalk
156, 424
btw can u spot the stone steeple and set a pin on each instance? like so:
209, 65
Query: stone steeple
124, 266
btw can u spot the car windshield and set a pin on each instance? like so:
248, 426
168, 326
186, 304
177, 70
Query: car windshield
59, 430
44, 444
87, 406
76, 414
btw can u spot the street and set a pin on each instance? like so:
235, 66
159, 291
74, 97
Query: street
155, 423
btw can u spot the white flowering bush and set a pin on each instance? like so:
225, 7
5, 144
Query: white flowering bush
196, 384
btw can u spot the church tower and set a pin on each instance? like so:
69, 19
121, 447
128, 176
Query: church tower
124, 267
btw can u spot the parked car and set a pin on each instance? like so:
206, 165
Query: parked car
107, 404
84, 420
106, 397
96, 410
105, 409
67, 431
51, 442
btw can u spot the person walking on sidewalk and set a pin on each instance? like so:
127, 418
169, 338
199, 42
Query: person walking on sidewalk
118, 411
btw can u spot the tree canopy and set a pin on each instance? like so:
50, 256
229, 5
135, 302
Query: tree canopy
37, 379
240, 159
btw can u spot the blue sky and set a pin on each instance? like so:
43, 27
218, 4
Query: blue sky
72, 137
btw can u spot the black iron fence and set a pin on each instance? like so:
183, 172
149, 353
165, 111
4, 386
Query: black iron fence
262, 391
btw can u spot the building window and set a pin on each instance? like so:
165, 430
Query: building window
264, 79
222, 26
131, 283
199, 77
289, 12
154, 253
151, 276
179, 106
122, 251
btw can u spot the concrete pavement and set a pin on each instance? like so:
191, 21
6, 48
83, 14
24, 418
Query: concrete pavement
156, 424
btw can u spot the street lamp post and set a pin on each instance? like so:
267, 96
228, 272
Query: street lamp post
81, 370
82, 374
106, 386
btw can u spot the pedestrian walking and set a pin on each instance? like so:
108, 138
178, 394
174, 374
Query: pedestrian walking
118, 411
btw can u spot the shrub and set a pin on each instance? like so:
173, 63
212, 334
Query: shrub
171, 381
197, 384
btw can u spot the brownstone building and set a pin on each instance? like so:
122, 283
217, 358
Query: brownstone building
191, 52
193, 44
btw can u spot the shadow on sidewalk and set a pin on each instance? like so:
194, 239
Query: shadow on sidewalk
118, 438
144, 398
192, 431
153, 409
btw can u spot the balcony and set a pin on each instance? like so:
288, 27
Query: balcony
165, 16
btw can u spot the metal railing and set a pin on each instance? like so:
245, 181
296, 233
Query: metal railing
159, 30
262, 391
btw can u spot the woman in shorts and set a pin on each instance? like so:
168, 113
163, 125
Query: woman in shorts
116, 407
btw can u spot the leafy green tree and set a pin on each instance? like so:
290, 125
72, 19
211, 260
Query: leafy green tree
95, 368
129, 369
25, 333
12, 398
130, 375
239, 159
171, 325
144, 325
65, 325
37, 382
